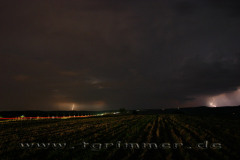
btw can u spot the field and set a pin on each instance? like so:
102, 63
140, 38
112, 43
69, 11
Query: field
105, 137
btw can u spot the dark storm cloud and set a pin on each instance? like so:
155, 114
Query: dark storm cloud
231, 6
111, 54
185, 7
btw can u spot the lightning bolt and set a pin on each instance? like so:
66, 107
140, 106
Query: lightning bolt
73, 107
212, 103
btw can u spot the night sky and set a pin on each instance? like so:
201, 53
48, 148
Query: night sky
111, 54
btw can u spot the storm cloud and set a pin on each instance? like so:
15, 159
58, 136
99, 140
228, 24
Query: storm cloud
110, 54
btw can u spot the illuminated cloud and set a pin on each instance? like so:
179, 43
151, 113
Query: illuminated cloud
69, 73
68, 106
21, 77
225, 99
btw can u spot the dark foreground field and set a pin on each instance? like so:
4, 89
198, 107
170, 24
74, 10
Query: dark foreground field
63, 139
